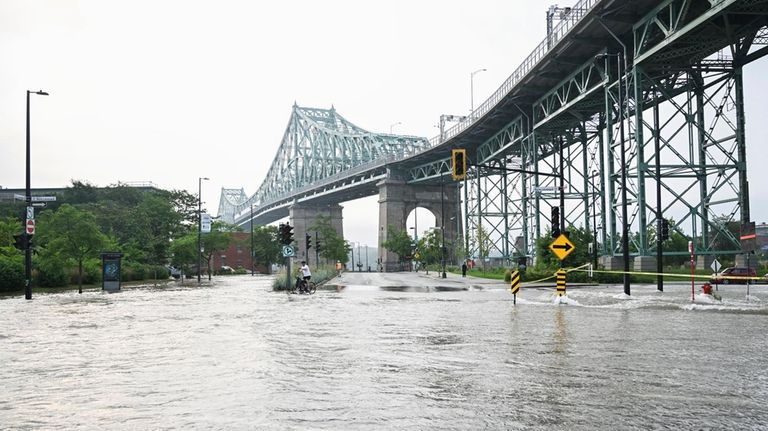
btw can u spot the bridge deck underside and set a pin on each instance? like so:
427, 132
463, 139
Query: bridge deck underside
580, 89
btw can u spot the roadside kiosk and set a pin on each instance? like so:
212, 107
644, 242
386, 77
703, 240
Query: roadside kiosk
110, 271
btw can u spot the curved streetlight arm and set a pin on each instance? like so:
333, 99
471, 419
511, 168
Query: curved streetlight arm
472, 88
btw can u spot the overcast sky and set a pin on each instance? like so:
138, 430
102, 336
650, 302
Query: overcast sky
169, 91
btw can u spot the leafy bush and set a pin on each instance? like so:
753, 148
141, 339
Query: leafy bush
91, 272
159, 272
508, 275
11, 274
319, 276
52, 271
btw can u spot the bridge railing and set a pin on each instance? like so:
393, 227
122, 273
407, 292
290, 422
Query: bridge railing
578, 11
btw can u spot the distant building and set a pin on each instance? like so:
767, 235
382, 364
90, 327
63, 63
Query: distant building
10, 195
761, 231
238, 255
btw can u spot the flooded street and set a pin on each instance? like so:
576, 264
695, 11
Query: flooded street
239, 356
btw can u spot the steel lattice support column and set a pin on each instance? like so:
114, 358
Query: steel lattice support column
702, 171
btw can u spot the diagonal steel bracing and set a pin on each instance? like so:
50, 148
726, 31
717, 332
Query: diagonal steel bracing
320, 148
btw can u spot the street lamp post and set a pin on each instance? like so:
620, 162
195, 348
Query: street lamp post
472, 89
594, 219
359, 259
442, 224
392, 126
252, 240
27, 248
199, 224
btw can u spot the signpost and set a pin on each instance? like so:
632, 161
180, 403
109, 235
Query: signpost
515, 285
561, 282
716, 268
562, 247
30, 227
205, 223
693, 289
288, 251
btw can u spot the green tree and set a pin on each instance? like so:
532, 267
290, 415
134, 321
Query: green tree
484, 243
217, 240
429, 248
73, 234
266, 248
185, 205
80, 192
398, 242
334, 247
9, 226
184, 253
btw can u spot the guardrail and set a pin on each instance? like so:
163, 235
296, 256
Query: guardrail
578, 11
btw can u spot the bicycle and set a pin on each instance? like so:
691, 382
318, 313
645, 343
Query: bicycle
303, 286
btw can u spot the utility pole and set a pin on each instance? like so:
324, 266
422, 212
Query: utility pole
252, 264
30, 210
199, 224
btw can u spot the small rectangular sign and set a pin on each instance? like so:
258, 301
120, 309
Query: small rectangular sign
43, 198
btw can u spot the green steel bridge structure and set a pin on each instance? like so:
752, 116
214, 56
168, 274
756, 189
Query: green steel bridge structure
638, 105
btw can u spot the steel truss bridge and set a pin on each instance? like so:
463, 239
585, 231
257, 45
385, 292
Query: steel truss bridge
644, 100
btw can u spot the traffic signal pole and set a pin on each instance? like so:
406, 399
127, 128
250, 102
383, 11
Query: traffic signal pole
27, 250
286, 238
562, 191
659, 215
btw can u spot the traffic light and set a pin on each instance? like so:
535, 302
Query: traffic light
20, 241
664, 229
555, 222
286, 234
308, 241
459, 163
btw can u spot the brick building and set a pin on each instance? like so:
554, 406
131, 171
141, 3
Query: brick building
238, 255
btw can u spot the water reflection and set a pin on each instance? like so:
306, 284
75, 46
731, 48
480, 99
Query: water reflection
238, 356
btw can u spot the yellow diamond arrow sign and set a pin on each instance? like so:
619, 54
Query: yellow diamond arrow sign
562, 247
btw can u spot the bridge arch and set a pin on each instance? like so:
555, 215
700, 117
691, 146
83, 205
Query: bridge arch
396, 201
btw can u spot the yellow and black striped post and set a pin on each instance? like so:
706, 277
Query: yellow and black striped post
515, 284
560, 282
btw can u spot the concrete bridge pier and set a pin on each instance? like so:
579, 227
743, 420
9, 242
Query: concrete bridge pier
302, 217
397, 199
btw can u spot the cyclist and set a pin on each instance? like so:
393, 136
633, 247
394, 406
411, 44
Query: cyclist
306, 274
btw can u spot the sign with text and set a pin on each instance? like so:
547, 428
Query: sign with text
205, 223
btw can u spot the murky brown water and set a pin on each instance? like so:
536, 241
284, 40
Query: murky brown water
238, 356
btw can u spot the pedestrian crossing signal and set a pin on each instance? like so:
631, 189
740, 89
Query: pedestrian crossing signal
459, 163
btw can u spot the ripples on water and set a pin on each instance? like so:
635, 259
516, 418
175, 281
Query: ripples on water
239, 356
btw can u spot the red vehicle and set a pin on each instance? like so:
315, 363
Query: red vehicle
736, 275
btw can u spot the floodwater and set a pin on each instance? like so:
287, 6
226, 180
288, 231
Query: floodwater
239, 356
